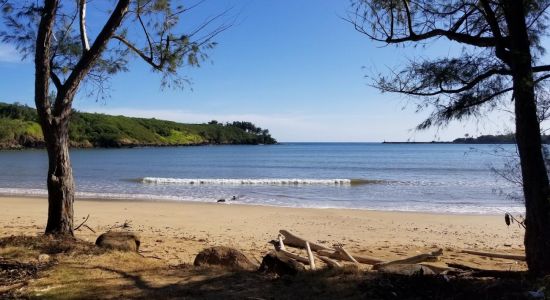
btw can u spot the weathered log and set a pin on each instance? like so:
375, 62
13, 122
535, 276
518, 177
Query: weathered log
476, 272
331, 263
346, 254
298, 242
495, 255
293, 256
406, 269
433, 256
276, 262
310, 256
362, 259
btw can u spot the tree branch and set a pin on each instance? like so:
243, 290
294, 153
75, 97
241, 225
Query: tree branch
83, 34
495, 29
64, 98
468, 85
42, 60
55, 79
147, 59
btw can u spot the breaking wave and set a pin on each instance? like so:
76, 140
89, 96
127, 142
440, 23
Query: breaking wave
262, 181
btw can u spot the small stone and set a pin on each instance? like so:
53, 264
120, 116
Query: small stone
44, 258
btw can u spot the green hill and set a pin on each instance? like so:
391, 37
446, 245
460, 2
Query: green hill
19, 129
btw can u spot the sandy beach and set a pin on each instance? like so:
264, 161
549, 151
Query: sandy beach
177, 231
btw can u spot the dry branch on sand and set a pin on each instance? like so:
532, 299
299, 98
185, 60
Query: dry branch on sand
331, 256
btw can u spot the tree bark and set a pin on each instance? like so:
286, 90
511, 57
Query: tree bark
533, 169
54, 117
60, 179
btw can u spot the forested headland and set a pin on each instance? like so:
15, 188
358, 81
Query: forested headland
19, 128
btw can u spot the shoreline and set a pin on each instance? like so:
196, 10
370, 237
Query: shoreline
177, 231
228, 202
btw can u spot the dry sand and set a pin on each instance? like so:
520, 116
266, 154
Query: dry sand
177, 231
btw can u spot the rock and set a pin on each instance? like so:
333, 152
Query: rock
279, 264
221, 200
119, 240
406, 269
44, 258
226, 257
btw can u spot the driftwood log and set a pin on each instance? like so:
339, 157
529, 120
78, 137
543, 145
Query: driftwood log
298, 242
495, 255
432, 256
310, 256
330, 263
467, 271
345, 254
361, 259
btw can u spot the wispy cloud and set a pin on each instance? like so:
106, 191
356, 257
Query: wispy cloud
9, 54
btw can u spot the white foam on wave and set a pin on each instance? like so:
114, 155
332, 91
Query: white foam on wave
245, 181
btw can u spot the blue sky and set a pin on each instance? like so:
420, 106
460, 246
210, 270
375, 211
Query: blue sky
294, 67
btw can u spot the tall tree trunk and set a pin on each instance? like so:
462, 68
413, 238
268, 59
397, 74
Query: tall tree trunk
60, 179
533, 169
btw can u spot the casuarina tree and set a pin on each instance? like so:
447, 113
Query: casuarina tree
499, 61
68, 55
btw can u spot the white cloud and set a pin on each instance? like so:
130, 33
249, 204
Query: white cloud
9, 54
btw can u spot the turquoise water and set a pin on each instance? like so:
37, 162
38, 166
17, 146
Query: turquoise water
406, 177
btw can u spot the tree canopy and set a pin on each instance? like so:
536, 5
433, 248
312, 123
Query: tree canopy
470, 83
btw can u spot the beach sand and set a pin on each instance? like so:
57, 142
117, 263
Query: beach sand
176, 231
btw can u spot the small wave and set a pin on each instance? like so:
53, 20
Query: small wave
263, 181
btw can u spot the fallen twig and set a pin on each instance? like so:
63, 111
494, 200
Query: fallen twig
83, 224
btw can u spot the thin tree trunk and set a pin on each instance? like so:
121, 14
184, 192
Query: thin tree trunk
535, 176
60, 180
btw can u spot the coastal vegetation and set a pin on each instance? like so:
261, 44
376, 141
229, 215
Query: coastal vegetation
19, 128
495, 139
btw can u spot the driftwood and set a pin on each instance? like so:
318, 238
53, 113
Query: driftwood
411, 260
281, 244
467, 271
495, 255
298, 242
293, 256
310, 256
345, 254
331, 263
362, 259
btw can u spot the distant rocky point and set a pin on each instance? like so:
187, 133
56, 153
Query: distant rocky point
482, 139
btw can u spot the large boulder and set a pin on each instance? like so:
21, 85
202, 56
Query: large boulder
119, 240
225, 257
276, 263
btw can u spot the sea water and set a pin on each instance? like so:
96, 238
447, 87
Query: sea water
446, 178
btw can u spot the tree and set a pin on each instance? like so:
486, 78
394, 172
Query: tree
66, 58
499, 60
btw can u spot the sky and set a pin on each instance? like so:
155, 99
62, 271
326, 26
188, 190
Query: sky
293, 67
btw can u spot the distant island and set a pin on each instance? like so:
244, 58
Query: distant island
19, 128
482, 139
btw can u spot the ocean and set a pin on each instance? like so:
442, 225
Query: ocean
441, 178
